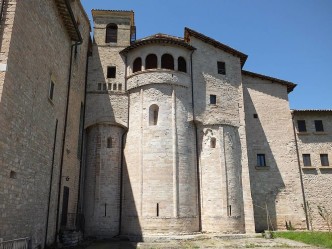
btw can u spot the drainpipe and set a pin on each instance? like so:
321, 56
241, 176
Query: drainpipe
301, 178
196, 143
122, 153
51, 180
77, 43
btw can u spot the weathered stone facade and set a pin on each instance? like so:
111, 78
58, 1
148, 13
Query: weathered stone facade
35, 51
158, 135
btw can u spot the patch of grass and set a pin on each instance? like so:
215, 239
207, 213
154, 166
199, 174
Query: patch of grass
313, 238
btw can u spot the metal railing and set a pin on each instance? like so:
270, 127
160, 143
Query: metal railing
22, 243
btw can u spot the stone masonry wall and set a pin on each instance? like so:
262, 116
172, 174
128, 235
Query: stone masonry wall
28, 118
316, 178
276, 188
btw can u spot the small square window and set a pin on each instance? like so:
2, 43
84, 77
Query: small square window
51, 90
319, 125
111, 72
221, 67
324, 159
306, 160
255, 115
261, 160
301, 126
213, 99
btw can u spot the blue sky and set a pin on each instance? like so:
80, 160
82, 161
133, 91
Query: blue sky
286, 39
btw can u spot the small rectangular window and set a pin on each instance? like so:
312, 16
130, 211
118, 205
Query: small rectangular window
221, 67
104, 87
114, 87
255, 115
319, 125
111, 72
99, 86
301, 126
120, 87
306, 160
109, 86
213, 99
51, 90
324, 159
261, 160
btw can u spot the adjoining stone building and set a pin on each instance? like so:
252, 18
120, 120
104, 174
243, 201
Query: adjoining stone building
157, 135
44, 47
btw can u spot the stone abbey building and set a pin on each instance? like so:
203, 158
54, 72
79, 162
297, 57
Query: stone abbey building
162, 135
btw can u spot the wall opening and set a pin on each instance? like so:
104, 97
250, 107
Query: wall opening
109, 142
151, 61
182, 64
153, 114
137, 65
157, 209
167, 61
111, 33
213, 142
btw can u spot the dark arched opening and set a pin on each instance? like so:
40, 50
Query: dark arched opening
137, 65
167, 61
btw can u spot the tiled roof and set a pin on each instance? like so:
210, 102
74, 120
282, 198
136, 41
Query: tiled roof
290, 85
312, 110
158, 38
189, 32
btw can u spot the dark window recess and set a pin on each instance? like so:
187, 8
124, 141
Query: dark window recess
221, 67
104, 87
306, 160
65, 200
99, 86
13, 174
255, 115
111, 72
111, 33
137, 65
51, 90
213, 99
114, 87
182, 65
319, 125
213, 142
157, 209
151, 61
324, 159
154, 112
167, 61
109, 142
301, 126
261, 162
109, 86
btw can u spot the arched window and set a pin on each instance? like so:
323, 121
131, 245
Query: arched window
111, 33
182, 64
137, 65
153, 114
213, 142
151, 61
167, 61
109, 142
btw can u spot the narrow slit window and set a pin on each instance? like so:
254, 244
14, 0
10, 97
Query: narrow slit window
104, 87
51, 90
114, 87
153, 113
109, 86
306, 160
109, 142
157, 210
120, 87
261, 162
213, 142
99, 86
319, 125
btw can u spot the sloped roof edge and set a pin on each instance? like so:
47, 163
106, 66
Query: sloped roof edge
290, 85
189, 32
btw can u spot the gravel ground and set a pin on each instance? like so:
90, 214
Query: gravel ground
202, 242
